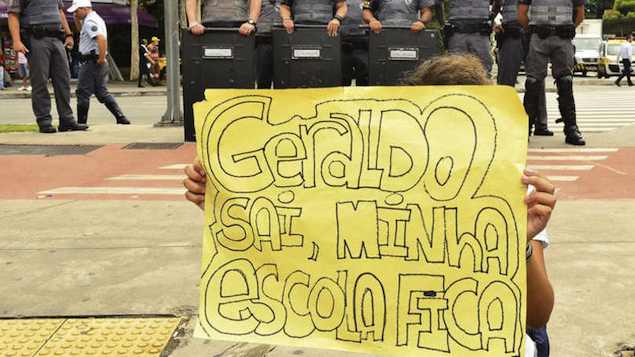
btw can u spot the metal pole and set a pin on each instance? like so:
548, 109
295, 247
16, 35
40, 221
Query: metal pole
173, 115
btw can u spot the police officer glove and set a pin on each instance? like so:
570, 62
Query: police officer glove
246, 29
375, 26
69, 42
417, 26
333, 27
288, 24
196, 28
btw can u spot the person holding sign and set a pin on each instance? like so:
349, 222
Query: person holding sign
540, 200
313, 12
224, 13
414, 14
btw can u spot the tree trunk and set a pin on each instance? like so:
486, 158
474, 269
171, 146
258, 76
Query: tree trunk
134, 40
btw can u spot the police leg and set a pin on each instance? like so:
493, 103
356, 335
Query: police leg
102, 94
481, 46
360, 62
264, 61
85, 89
347, 62
536, 68
510, 55
562, 66
61, 78
39, 59
457, 43
542, 126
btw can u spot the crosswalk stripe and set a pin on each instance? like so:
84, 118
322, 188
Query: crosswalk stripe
174, 167
147, 178
561, 167
114, 191
566, 158
563, 178
586, 150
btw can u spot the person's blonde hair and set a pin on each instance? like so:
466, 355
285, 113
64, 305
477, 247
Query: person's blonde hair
449, 70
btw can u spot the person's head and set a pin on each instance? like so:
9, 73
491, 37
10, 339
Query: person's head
449, 70
629, 37
81, 8
155, 40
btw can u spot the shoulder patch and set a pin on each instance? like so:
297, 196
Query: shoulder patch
94, 28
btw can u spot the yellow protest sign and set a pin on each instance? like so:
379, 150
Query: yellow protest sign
379, 220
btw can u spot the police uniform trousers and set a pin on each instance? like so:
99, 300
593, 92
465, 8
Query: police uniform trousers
93, 78
355, 60
264, 61
472, 43
512, 50
47, 58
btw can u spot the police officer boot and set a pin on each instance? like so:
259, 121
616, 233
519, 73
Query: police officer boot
531, 100
566, 104
82, 113
113, 107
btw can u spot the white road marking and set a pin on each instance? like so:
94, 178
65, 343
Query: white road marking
566, 158
147, 178
561, 167
563, 178
114, 191
174, 167
585, 150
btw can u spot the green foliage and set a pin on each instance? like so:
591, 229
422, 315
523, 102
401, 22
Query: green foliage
624, 6
631, 15
611, 15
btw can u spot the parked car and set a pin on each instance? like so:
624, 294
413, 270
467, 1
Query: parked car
608, 58
587, 54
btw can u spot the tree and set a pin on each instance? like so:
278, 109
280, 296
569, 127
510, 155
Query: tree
134, 40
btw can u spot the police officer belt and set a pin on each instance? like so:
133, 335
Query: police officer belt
544, 31
88, 58
482, 27
40, 31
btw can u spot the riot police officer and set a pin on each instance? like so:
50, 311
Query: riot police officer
223, 13
512, 44
354, 45
269, 13
469, 28
93, 74
413, 13
552, 25
313, 12
39, 29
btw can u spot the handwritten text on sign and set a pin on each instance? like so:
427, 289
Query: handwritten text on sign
375, 220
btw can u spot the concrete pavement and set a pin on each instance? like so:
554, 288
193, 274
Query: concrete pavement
78, 255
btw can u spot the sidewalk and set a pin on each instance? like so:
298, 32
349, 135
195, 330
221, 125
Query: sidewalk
118, 89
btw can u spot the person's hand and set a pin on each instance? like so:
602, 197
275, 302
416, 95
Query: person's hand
101, 61
498, 28
195, 183
417, 26
197, 29
289, 25
540, 203
246, 29
69, 42
375, 26
333, 27
18, 46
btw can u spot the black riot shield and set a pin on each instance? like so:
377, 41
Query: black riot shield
220, 58
397, 50
308, 57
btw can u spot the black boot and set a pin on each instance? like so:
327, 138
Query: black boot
113, 107
82, 113
531, 100
72, 126
566, 104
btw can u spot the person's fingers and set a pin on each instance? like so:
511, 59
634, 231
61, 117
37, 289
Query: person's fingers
540, 198
194, 198
540, 211
193, 186
541, 183
194, 174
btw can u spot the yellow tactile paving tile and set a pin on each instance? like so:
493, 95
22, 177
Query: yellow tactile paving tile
96, 337
24, 337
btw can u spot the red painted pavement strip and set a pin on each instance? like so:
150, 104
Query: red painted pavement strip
24, 176
613, 178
